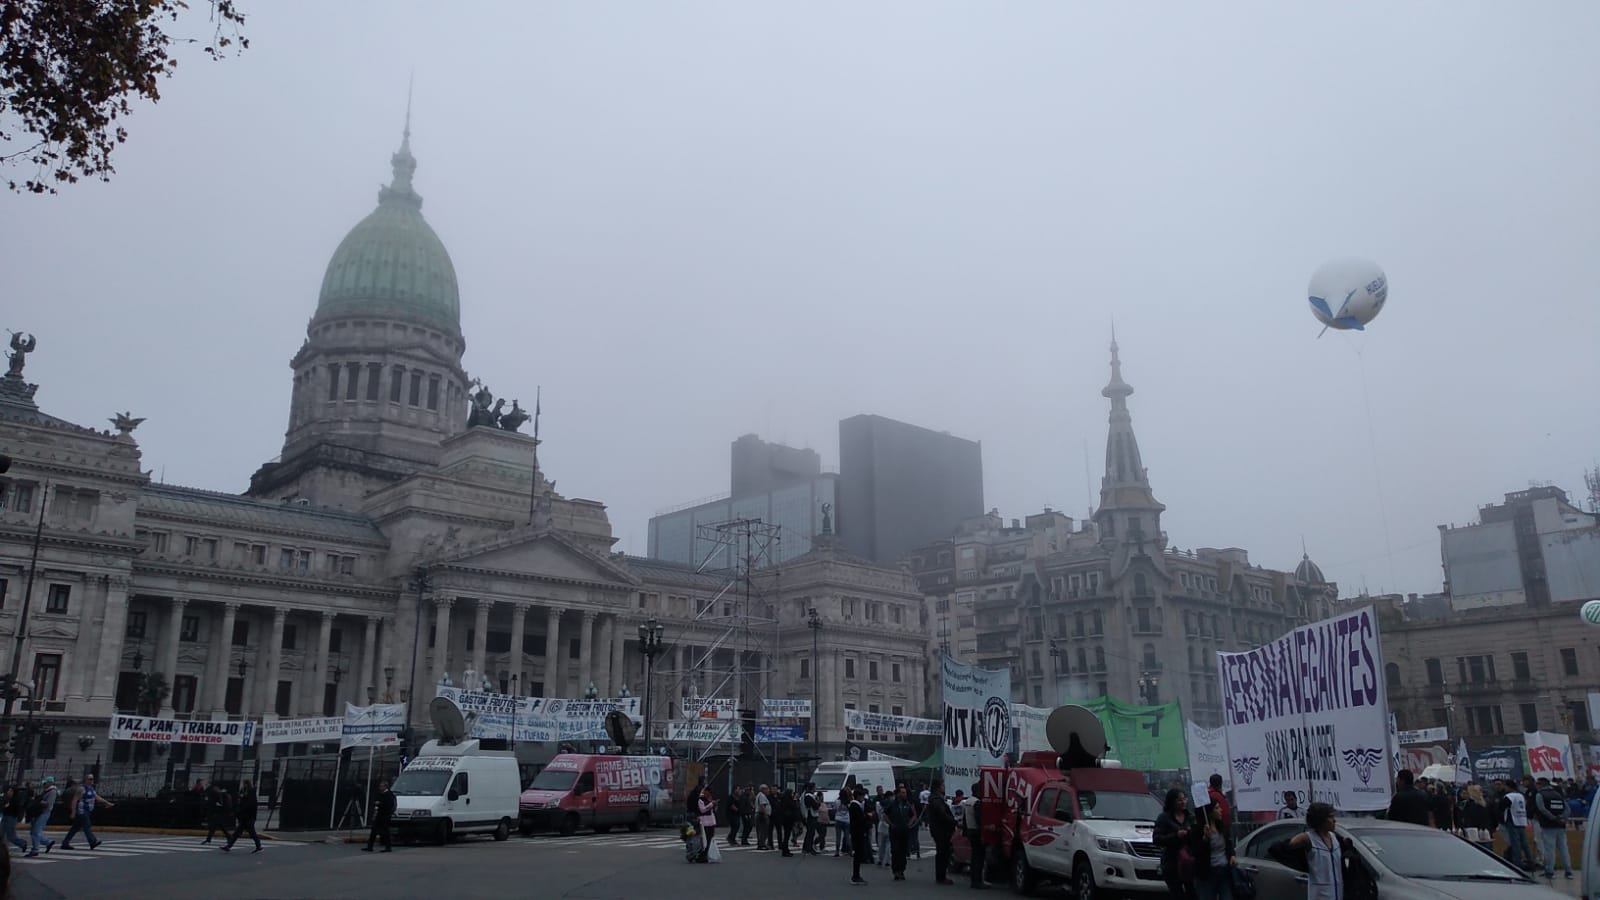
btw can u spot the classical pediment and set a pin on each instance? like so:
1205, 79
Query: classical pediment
539, 555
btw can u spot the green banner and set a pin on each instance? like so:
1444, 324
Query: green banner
1142, 737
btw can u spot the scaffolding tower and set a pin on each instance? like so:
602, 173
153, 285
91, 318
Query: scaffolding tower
746, 610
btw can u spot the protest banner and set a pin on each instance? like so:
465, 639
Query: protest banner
1147, 738
1504, 762
708, 708
1549, 754
302, 731
1422, 736
378, 725
1307, 712
883, 723
701, 731
785, 709
236, 733
1208, 753
1028, 724
977, 719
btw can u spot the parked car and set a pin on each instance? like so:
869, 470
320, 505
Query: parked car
1401, 861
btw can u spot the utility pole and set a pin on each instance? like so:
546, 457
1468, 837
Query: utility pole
10, 686
814, 622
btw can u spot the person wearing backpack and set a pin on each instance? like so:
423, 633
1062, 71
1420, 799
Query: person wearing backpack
1550, 809
16, 803
39, 810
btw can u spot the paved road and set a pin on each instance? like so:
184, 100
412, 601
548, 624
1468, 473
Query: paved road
583, 867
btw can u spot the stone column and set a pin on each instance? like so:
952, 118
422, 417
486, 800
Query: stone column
272, 670
113, 633
319, 667
224, 653
169, 652
441, 647
553, 687
480, 639
519, 624
827, 710
619, 654
585, 652
708, 679
369, 650
388, 690
602, 656
78, 679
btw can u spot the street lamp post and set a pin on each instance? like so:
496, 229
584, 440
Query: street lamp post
419, 583
1055, 673
651, 644
10, 687
814, 622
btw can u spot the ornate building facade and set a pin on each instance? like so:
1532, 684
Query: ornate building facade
1108, 607
404, 532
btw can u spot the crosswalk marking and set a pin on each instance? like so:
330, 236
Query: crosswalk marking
119, 848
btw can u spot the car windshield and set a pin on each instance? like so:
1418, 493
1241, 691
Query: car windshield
829, 781
421, 784
1118, 805
1431, 854
547, 780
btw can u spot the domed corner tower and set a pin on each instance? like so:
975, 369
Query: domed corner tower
378, 383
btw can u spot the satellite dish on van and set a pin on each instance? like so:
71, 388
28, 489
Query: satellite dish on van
1076, 734
447, 719
620, 728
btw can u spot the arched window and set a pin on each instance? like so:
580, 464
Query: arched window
1391, 674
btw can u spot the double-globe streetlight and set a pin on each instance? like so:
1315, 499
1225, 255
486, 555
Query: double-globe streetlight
651, 643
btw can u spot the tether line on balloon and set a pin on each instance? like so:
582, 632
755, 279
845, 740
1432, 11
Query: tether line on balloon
1377, 470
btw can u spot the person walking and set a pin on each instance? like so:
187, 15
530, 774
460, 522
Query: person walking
245, 815
706, 813
919, 802
747, 814
81, 804
861, 818
902, 818
1514, 825
812, 810
218, 803
843, 836
383, 807
1324, 853
784, 814
1550, 810
1176, 833
764, 818
1409, 804
39, 813
880, 832
941, 827
16, 803
1214, 864
734, 817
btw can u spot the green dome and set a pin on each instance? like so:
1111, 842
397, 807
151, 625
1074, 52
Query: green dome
392, 264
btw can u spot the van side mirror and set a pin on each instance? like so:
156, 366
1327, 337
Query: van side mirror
454, 794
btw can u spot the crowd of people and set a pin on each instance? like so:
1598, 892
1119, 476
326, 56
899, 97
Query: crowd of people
34, 803
1507, 807
882, 828
227, 810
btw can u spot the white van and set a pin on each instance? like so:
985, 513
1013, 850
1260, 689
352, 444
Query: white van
831, 776
454, 787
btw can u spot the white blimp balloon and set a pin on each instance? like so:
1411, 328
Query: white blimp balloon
1346, 294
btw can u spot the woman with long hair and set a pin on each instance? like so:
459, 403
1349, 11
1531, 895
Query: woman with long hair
1474, 815
1324, 854
706, 811
1177, 833
1213, 865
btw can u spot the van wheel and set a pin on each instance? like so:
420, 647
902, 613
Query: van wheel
640, 822
569, 825
504, 831
524, 826
602, 829
1023, 880
1083, 887
441, 835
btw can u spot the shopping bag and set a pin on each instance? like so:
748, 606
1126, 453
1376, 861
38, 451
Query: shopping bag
713, 853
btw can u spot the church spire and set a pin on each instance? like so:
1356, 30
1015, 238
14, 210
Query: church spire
1128, 508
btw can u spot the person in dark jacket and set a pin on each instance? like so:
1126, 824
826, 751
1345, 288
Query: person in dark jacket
16, 803
1214, 857
941, 827
217, 803
863, 816
901, 817
785, 812
245, 814
747, 814
383, 807
1176, 831
1408, 803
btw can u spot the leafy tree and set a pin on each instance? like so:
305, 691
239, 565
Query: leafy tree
153, 691
69, 70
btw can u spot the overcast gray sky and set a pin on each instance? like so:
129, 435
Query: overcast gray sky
688, 221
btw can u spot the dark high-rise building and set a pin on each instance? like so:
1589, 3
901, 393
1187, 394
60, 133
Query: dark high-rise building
902, 486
